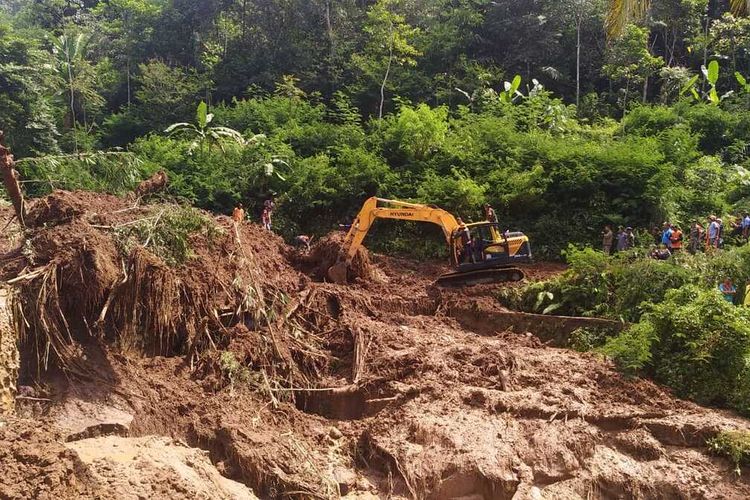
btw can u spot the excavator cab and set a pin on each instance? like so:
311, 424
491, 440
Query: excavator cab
489, 256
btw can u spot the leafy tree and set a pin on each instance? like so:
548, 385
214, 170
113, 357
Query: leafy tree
26, 84
389, 45
629, 60
129, 26
165, 94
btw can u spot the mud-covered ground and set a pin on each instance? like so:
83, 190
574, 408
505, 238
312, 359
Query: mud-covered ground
388, 387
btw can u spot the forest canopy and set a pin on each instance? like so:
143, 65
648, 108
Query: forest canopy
563, 114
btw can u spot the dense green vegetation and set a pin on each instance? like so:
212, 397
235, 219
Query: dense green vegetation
562, 114
682, 332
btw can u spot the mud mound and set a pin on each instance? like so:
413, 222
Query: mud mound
35, 464
101, 269
154, 467
64, 206
329, 250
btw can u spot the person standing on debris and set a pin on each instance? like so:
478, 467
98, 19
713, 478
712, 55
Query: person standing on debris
676, 239
238, 214
489, 213
608, 238
728, 290
269, 206
303, 241
265, 219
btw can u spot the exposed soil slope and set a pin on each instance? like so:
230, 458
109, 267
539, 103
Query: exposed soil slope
298, 388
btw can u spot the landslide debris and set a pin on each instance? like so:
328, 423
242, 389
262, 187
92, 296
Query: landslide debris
299, 388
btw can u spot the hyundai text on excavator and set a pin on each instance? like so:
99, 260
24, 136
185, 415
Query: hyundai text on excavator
491, 257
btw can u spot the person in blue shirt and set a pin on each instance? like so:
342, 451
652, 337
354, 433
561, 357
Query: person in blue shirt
728, 290
666, 235
746, 225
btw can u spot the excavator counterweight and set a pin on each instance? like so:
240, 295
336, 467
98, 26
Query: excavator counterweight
480, 252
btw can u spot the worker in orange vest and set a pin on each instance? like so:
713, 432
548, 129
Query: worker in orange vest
676, 239
238, 214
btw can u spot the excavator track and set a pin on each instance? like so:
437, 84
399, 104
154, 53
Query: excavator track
480, 277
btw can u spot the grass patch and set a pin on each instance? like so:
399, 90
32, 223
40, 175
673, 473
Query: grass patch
734, 445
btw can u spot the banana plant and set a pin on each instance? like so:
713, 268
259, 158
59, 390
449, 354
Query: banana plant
711, 75
742, 81
203, 133
511, 90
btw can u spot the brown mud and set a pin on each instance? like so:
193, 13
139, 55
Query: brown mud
240, 372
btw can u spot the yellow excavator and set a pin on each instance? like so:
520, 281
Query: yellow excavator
479, 252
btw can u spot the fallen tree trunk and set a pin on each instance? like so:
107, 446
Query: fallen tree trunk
10, 179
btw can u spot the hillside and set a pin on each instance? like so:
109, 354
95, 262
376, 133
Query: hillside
143, 338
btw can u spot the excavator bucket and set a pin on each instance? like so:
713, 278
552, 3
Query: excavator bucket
338, 272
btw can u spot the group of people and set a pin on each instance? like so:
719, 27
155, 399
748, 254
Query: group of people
709, 238
238, 214
623, 240
669, 239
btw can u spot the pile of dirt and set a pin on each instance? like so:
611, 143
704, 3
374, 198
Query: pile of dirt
329, 251
36, 464
295, 388
39, 463
154, 467
87, 278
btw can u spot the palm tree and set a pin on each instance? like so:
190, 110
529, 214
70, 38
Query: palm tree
69, 53
623, 12
202, 132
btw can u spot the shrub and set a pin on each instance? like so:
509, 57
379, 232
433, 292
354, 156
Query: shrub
631, 350
695, 342
735, 445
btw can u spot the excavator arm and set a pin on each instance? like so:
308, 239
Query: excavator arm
379, 208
